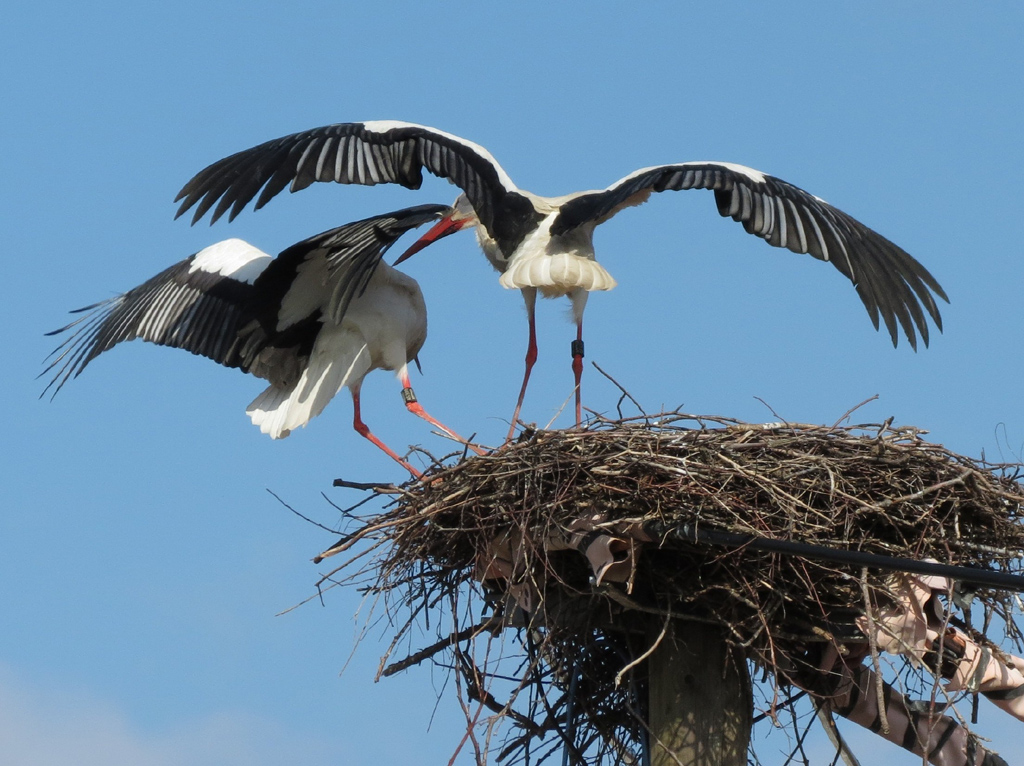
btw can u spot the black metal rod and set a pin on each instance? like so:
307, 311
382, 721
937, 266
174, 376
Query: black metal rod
982, 577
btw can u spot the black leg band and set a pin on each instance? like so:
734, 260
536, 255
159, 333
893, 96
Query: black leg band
577, 349
408, 395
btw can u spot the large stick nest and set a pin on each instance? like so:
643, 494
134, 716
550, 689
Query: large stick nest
497, 541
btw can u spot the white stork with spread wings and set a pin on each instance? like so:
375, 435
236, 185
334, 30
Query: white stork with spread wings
546, 243
312, 321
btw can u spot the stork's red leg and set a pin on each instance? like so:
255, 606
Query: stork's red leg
577, 368
413, 405
530, 296
364, 430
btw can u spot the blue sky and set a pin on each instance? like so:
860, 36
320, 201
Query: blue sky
143, 560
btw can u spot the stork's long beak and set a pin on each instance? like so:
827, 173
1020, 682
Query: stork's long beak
450, 224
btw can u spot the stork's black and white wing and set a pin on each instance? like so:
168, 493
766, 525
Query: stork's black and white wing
351, 254
238, 306
889, 280
199, 304
367, 153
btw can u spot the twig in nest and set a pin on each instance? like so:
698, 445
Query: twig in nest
776, 706
889, 502
824, 713
454, 638
559, 410
645, 655
853, 409
873, 643
772, 410
376, 486
625, 393
304, 518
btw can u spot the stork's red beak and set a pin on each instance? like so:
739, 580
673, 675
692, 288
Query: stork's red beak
447, 225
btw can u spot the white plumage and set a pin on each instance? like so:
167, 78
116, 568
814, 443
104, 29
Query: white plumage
384, 328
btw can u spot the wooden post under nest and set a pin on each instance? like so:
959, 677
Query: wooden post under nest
700, 699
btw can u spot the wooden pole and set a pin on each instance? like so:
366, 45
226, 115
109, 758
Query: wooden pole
700, 702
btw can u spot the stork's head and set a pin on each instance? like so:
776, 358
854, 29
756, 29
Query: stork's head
459, 217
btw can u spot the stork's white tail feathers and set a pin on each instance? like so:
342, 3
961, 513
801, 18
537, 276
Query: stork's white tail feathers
270, 409
557, 274
340, 356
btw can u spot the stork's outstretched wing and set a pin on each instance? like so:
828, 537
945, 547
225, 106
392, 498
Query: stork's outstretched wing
367, 153
889, 281
198, 304
226, 301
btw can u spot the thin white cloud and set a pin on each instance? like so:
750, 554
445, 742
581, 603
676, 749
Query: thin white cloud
53, 727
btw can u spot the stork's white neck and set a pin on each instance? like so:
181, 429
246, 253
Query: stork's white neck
490, 247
